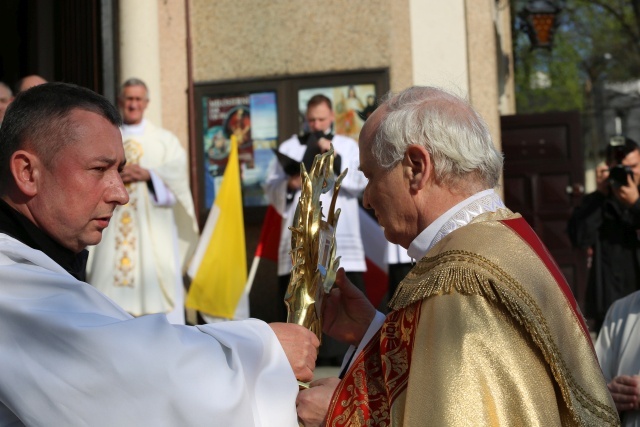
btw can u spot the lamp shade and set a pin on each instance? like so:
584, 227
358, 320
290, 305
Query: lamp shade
540, 22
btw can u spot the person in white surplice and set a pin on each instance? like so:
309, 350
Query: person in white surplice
70, 355
283, 188
141, 259
618, 350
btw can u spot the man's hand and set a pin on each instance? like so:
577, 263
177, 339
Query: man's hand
624, 391
294, 182
324, 144
301, 347
347, 313
627, 194
134, 173
312, 404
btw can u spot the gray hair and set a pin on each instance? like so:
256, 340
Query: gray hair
133, 82
451, 131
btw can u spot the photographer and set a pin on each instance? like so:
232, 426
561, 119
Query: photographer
607, 223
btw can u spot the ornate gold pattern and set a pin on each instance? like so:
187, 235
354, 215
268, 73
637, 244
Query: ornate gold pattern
126, 241
379, 375
313, 245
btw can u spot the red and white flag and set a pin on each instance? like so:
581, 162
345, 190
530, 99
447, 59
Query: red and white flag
376, 278
270, 235
375, 245
267, 244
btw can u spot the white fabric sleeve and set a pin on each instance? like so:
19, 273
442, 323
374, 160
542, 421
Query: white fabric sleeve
68, 343
608, 343
354, 182
275, 186
161, 194
353, 352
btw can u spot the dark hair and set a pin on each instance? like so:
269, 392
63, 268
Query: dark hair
38, 118
619, 147
317, 100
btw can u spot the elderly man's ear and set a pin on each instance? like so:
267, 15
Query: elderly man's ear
417, 166
25, 168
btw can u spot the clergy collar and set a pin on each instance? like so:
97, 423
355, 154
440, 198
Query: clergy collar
16, 225
304, 139
137, 129
456, 217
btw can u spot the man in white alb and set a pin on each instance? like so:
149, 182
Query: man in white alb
618, 350
71, 356
141, 259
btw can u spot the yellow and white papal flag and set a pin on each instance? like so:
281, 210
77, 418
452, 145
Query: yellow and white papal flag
219, 266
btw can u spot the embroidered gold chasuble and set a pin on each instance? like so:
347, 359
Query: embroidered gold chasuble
140, 261
484, 332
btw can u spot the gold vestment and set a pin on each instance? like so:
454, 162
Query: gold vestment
484, 332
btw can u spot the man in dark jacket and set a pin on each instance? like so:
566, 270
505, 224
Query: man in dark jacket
608, 223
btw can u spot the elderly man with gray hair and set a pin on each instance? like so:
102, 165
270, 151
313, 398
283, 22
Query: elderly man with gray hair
140, 261
484, 330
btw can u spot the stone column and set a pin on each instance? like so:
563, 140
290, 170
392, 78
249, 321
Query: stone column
483, 67
139, 50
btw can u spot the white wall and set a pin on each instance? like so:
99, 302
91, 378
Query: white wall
439, 42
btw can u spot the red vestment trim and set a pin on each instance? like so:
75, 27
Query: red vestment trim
524, 230
379, 374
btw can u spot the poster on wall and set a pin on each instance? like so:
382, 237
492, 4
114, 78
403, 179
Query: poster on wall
351, 105
253, 119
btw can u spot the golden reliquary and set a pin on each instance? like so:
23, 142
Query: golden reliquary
313, 244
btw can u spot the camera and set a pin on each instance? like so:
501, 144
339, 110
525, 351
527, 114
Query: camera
619, 147
618, 175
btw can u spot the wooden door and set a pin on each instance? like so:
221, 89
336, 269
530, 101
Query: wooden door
77, 41
544, 181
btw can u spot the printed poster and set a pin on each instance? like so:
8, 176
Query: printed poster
253, 119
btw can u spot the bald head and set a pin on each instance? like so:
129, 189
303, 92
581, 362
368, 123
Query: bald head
28, 82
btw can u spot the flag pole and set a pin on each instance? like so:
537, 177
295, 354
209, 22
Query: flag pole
252, 274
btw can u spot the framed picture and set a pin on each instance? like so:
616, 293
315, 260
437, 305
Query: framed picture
261, 114
352, 104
